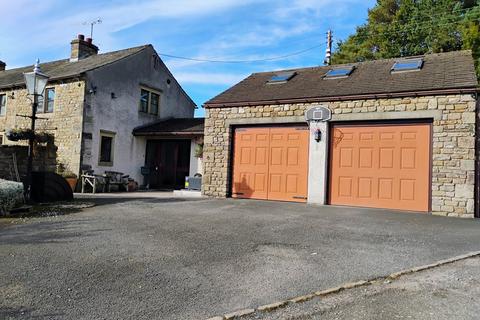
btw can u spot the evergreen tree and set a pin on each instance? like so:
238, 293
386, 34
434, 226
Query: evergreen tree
398, 28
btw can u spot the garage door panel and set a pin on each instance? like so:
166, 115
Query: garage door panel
261, 156
251, 157
385, 166
281, 158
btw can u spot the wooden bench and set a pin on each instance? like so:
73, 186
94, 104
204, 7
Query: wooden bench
114, 178
93, 180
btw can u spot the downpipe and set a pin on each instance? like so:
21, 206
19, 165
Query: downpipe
477, 158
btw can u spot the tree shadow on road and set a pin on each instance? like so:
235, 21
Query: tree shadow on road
102, 201
47, 232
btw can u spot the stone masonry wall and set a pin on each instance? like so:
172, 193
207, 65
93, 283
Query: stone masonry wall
44, 160
453, 150
65, 122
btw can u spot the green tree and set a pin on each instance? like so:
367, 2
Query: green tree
413, 27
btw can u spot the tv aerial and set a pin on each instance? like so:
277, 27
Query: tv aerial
92, 23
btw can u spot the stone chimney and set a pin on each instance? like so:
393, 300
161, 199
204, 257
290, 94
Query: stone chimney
82, 48
2, 65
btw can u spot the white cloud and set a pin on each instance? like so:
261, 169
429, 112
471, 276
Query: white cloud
42, 26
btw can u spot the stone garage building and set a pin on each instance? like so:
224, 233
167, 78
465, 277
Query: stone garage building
401, 136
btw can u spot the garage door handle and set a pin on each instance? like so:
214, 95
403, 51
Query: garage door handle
299, 197
237, 193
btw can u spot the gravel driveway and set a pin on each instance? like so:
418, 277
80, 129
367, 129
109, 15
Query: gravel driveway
176, 259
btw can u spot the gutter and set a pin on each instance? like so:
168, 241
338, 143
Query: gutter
404, 94
477, 159
167, 134
21, 85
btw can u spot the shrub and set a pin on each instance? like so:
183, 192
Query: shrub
11, 195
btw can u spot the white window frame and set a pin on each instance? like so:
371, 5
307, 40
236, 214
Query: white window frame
6, 98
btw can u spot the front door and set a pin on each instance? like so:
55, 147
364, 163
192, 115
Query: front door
169, 163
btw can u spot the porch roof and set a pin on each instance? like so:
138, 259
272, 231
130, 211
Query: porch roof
172, 127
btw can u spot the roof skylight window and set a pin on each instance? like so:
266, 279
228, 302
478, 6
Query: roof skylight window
282, 77
341, 72
407, 65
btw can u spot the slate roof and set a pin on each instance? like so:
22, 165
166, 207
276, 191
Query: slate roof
64, 69
172, 126
441, 71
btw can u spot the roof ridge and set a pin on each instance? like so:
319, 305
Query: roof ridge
67, 59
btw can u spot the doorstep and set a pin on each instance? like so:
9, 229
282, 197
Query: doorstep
188, 193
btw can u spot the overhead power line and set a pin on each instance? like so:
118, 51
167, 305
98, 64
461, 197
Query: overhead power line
296, 53
392, 31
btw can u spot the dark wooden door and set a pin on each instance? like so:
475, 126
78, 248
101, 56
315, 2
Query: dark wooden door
169, 163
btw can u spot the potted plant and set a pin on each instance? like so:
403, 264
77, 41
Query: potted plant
199, 150
68, 175
18, 134
43, 137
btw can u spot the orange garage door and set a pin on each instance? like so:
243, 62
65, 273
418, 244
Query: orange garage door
381, 166
271, 163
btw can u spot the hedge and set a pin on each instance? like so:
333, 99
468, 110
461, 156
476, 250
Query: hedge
11, 195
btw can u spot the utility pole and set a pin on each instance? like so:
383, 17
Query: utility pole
328, 53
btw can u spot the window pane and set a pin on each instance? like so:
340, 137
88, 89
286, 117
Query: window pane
50, 94
282, 77
154, 104
106, 149
339, 72
40, 104
3, 99
407, 65
144, 96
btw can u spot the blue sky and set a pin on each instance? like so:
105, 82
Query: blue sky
203, 29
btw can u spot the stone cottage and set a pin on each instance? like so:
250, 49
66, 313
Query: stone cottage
92, 104
396, 134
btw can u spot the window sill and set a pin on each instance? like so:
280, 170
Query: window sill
148, 113
105, 164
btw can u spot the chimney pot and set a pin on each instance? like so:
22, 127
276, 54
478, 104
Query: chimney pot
82, 48
2, 65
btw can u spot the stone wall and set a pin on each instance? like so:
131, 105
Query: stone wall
453, 150
44, 160
65, 122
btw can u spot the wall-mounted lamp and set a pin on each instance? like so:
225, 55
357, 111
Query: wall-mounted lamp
318, 135
92, 90
12, 95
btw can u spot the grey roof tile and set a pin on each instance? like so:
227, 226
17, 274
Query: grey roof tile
62, 69
452, 70
172, 126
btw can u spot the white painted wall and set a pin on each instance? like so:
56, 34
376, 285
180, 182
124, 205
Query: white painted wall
317, 165
195, 163
121, 115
